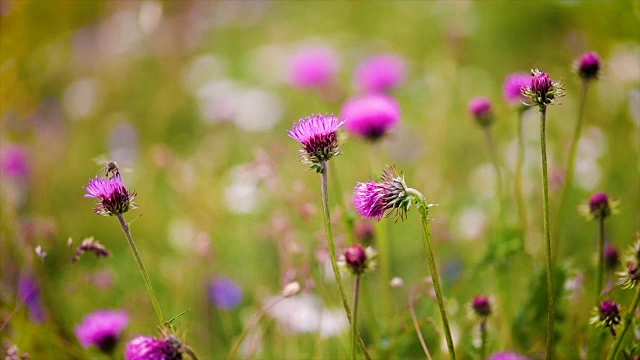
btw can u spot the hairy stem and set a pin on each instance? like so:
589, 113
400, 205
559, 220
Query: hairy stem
434, 277
547, 236
626, 325
143, 271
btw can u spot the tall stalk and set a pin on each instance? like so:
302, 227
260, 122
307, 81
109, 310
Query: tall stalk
547, 237
520, 199
354, 317
143, 271
600, 273
426, 232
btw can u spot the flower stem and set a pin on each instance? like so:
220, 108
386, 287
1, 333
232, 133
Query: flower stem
547, 236
520, 199
483, 337
627, 324
251, 325
143, 271
600, 259
354, 318
332, 248
434, 277
416, 325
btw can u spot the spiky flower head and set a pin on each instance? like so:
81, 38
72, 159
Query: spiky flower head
481, 110
588, 66
481, 305
102, 329
318, 136
150, 348
358, 260
114, 197
373, 199
599, 207
542, 91
607, 315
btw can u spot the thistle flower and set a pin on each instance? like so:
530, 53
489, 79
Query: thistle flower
611, 256
607, 315
507, 355
14, 161
358, 260
480, 108
313, 67
542, 91
373, 199
588, 66
629, 278
150, 348
102, 329
380, 73
371, 116
114, 197
599, 207
513, 85
225, 293
481, 305
319, 138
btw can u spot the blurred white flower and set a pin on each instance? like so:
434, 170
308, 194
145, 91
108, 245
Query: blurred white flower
471, 223
150, 15
306, 313
81, 98
258, 110
243, 195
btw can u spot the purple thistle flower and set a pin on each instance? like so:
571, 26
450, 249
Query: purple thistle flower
150, 348
599, 205
102, 329
608, 316
372, 199
225, 293
114, 197
481, 305
480, 108
380, 73
513, 85
318, 136
313, 67
14, 161
29, 293
611, 256
358, 260
507, 355
588, 66
542, 91
371, 116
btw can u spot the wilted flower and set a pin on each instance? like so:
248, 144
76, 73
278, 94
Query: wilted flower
371, 116
588, 66
607, 315
373, 199
480, 108
225, 293
481, 305
507, 355
600, 206
358, 260
90, 245
318, 136
102, 329
380, 73
114, 197
542, 91
313, 67
150, 348
513, 85
14, 161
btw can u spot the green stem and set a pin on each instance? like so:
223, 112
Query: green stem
143, 271
347, 216
547, 236
416, 325
354, 317
496, 166
251, 324
600, 273
483, 337
627, 324
332, 248
520, 199
434, 276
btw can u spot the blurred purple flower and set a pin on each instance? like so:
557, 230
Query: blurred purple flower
599, 205
102, 329
480, 108
225, 293
312, 67
380, 73
371, 116
358, 260
611, 256
481, 305
513, 85
588, 66
507, 355
150, 348
29, 293
114, 197
14, 161
318, 136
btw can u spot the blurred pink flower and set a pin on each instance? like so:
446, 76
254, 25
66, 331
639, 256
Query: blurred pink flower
513, 85
14, 161
380, 73
371, 116
102, 329
312, 67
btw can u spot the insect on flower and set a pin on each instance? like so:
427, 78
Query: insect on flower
110, 168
